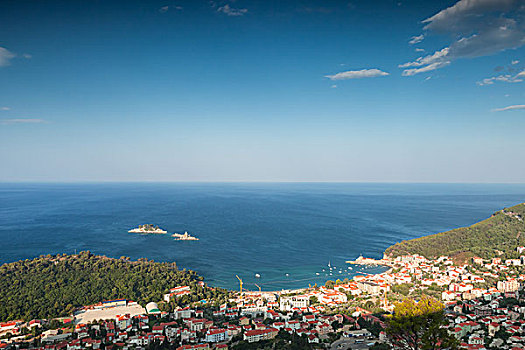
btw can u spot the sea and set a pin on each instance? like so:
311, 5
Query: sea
289, 234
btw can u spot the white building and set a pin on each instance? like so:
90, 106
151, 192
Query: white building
297, 301
508, 286
216, 335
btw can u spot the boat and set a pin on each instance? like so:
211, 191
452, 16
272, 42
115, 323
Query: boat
317, 273
257, 275
185, 237
148, 228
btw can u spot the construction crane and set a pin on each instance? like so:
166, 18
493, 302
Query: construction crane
258, 286
240, 283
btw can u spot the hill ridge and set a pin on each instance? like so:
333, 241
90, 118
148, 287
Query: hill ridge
498, 235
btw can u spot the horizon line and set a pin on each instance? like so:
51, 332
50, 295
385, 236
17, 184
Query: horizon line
251, 182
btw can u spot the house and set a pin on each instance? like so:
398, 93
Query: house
176, 293
291, 302
159, 329
260, 334
313, 339
216, 335
244, 321
182, 313
510, 285
293, 324
493, 328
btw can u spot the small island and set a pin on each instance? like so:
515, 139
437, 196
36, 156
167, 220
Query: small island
184, 237
148, 228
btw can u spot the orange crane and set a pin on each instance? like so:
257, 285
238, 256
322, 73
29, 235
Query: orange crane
240, 283
258, 286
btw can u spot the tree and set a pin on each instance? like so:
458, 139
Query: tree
314, 300
419, 325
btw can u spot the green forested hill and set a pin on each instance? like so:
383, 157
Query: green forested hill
498, 235
51, 286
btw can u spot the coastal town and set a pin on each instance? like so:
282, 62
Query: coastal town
262, 175
483, 303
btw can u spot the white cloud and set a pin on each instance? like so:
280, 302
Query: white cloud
419, 50
165, 9
5, 56
427, 63
230, 11
5, 108
438, 56
357, 74
515, 62
478, 28
505, 78
22, 121
416, 39
452, 17
428, 68
333, 86
27, 56
509, 108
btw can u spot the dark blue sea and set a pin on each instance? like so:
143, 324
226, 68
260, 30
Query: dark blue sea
286, 232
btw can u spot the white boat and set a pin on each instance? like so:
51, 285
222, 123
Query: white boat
317, 273
257, 275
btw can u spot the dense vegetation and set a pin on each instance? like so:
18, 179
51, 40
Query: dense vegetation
419, 325
51, 286
498, 235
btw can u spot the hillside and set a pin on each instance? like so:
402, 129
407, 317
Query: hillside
498, 235
51, 286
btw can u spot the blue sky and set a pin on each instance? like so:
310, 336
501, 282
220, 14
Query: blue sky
173, 90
